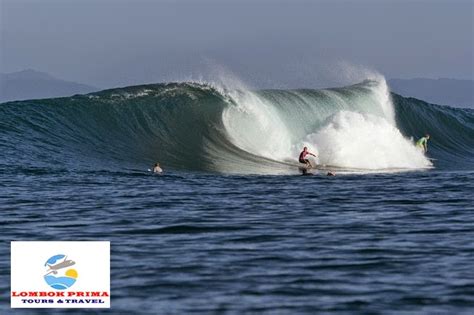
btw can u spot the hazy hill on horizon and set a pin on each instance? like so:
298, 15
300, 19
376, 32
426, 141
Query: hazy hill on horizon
32, 84
452, 92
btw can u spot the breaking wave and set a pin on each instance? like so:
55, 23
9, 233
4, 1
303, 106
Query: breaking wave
205, 127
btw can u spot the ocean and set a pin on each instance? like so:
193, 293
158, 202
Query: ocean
231, 226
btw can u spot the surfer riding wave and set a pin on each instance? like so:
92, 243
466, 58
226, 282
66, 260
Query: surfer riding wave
302, 159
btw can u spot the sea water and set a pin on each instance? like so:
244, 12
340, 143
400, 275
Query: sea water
231, 226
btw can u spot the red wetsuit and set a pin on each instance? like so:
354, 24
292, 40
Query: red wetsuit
302, 159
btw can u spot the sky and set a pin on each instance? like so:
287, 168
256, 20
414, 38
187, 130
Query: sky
271, 44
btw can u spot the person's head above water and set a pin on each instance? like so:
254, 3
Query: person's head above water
427, 136
305, 149
157, 164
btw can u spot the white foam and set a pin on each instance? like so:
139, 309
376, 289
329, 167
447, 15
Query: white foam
364, 141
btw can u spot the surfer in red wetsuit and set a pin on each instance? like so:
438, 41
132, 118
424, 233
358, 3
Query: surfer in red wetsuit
302, 158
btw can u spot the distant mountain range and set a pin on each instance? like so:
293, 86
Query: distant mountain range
452, 92
31, 84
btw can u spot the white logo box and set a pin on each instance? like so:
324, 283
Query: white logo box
72, 274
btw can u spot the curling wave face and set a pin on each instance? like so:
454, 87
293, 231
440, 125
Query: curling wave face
196, 126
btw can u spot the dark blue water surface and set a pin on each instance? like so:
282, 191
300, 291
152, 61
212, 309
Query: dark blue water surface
185, 242
196, 241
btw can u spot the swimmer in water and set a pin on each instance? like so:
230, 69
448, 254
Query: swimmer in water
157, 168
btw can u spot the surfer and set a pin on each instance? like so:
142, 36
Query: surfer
423, 143
157, 168
302, 159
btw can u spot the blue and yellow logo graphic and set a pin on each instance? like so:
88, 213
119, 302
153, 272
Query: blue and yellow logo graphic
58, 274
